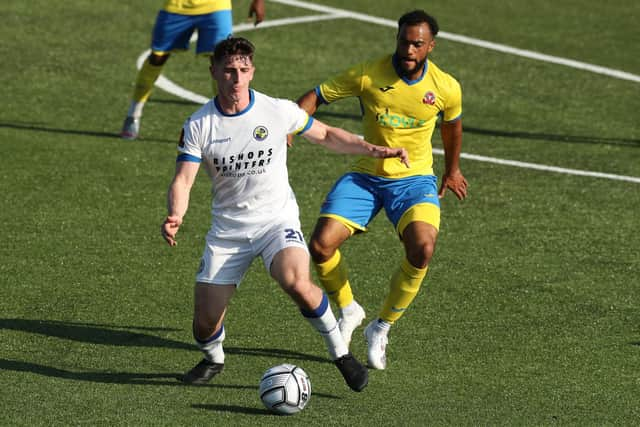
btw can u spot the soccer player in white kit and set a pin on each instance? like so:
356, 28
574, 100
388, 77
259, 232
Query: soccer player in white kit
240, 137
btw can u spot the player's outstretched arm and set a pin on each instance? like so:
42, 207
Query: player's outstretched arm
341, 141
452, 177
178, 199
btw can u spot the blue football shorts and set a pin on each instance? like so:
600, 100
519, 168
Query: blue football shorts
356, 198
173, 31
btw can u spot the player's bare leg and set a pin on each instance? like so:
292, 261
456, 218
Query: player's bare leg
210, 306
290, 267
146, 78
328, 236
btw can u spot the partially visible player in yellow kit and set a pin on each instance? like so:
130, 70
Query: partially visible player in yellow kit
172, 31
402, 96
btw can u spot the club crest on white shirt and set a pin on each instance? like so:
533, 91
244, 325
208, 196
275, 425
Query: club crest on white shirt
260, 133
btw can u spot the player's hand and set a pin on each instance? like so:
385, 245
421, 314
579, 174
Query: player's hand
403, 155
169, 229
455, 182
386, 152
289, 140
256, 9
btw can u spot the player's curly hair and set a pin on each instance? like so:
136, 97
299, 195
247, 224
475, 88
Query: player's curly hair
233, 46
417, 17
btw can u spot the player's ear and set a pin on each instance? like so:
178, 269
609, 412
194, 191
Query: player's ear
431, 45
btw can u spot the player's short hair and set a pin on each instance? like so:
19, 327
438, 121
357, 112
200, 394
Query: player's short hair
417, 17
233, 46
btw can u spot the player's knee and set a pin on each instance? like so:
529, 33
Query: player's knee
420, 255
157, 60
320, 251
294, 288
297, 289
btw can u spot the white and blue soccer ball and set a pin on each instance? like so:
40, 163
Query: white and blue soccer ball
285, 389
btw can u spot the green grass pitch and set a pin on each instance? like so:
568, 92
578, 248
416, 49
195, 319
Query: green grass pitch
530, 312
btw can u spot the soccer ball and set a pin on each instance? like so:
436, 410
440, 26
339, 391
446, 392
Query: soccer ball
285, 389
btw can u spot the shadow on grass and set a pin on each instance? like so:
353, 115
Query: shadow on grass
98, 377
553, 137
234, 408
134, 378
253, 411
157, 100
241, 409
118, 335
540, 136
275, 353
134, 336
113, 335
41, 128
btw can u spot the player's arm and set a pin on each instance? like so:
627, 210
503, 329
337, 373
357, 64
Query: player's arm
309, 102
452, 178
341, 141
178, 199
256, 9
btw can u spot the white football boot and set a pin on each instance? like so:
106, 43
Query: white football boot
130, 128
350, 318
376, 345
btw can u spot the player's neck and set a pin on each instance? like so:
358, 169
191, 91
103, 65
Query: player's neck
234, 105
416, 74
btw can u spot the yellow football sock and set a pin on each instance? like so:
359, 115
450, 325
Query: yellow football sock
147, 76
333, 277
404, 288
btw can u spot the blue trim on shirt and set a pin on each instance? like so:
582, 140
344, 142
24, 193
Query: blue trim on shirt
318, 312
184, 157
394, 61
361, 106
251, 101
455, 119
319, 95
306, 127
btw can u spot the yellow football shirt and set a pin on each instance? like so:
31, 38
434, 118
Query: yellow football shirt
397, 112
196, 7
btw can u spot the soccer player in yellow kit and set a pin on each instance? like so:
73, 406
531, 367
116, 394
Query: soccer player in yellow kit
172, 31
401, 95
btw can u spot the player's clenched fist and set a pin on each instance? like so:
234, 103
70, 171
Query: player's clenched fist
169, 229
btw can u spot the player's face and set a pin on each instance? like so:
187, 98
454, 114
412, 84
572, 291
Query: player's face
233, 75
413, 45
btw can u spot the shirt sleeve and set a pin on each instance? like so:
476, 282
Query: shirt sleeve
453, 103
298, 121
189, 148
349, 83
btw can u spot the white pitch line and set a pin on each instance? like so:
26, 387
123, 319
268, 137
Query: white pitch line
546, 168
287, 21
597, 69
170, 87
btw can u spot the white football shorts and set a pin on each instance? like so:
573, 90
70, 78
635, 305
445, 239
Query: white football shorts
226, 261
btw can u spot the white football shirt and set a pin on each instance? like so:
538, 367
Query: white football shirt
245, 155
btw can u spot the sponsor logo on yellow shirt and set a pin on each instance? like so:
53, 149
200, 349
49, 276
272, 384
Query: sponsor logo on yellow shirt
388, 119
